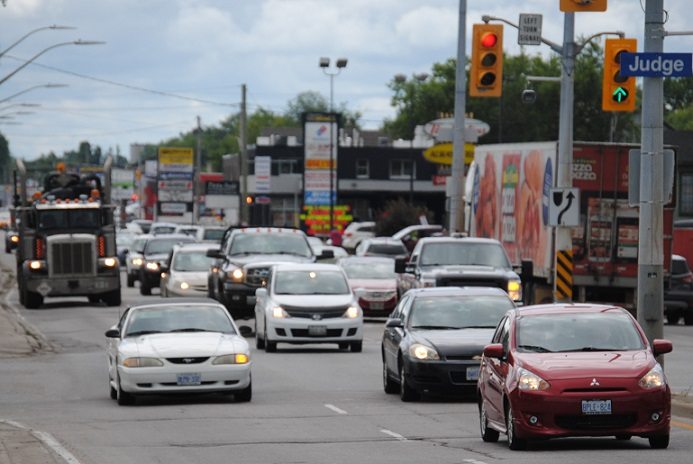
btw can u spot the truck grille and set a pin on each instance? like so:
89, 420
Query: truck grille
72, 258
465, 281
257, 276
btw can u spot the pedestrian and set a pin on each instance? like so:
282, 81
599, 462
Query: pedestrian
336, 237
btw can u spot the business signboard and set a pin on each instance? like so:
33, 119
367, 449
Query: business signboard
175, 184
263, 174
321, 150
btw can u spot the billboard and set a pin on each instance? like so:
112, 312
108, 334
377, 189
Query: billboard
175, 184
320, 135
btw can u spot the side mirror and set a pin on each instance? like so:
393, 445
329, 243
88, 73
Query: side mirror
494, 350
400, 265
113, 333
326, 254
215, 253
660, 346
260, 293
394, 323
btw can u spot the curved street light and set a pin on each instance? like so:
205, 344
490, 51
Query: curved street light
48, 86
54, 26
62, 44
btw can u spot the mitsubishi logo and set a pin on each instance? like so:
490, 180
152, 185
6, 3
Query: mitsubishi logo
317, 317
594, 383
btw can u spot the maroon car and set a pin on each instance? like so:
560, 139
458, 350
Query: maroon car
563, 370
374, 283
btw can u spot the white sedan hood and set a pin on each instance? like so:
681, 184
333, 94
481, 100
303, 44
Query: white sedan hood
174, 345
314, 301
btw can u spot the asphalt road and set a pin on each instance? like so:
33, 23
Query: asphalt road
310, 405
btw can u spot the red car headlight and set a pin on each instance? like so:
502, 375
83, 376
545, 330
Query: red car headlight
653, 379
529, 381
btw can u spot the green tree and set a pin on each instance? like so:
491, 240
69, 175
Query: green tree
397, 215
5, 160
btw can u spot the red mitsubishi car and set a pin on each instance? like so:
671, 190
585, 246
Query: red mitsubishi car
563, 370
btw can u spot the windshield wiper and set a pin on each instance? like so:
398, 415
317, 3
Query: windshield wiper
191, 329
143, 332
293, 253
434, 327
536, 348
590, 348
477, 327
245, 253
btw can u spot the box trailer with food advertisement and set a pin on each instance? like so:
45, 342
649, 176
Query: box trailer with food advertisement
509, 188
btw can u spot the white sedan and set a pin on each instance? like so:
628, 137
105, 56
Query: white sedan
187, 269
307, 303
177, 346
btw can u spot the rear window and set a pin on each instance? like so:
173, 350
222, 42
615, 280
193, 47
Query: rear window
386, 249
679, 266
164, 246
213, 234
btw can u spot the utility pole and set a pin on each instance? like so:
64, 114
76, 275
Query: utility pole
650, 292
245, 218
198, 170
457, 178
565, 130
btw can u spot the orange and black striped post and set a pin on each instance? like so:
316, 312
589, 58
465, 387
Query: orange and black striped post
564, 276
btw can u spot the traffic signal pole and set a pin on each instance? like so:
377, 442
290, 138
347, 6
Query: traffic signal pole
650, 291
456, 223
565, 130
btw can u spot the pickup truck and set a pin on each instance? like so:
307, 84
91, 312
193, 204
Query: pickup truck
459, 262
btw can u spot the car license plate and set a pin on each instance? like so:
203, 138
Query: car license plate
473, 373
317, 330
594, 407
189, 379
376, 305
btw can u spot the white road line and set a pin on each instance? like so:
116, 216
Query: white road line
47, 439
473, 461
394, 434
336, 409
53, 444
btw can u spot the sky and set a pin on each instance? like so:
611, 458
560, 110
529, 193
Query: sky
166, 62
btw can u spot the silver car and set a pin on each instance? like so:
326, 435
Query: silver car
307, 303
186, 271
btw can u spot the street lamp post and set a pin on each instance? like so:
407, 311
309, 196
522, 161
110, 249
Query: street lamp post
62, 44
325, 66
48, 86
54, 27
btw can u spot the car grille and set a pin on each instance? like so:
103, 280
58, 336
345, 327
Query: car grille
197, 360
304, 333
460, 377
467, 281
315, 313
596, 422
257, 276
72, 258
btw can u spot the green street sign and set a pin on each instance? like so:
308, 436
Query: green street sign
619, 95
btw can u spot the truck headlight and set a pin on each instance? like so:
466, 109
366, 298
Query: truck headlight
36, 265
515, 290
137, 262
152, 266
14, 238
237, 275
110, 262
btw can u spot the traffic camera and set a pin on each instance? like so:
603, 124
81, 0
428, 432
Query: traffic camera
576, 6
486, 74
618, 91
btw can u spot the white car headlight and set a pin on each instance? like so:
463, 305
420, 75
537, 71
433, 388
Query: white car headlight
423, 353
653, 379
279, 313
352, 312
529, 381
152, 266
142, 362
238, 358
237, 275
137, 262
515, 290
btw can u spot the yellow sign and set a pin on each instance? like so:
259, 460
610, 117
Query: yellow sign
442, 153
175, 155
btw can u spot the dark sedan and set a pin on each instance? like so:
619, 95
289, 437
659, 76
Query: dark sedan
434, 339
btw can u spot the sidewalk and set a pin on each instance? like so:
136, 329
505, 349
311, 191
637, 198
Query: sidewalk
19, 446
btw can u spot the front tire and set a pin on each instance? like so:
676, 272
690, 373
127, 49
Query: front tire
487, 434
514, 442
131, 281
124, 398
688, 317
659, 441
112, 298
406, 392
32, 300
673, 318
356, 347
389, 385
259, 341
145, 289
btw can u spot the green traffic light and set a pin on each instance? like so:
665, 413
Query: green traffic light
620, 95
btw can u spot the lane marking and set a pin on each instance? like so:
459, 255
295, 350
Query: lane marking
473, 461
47, 439
336, 409
394, 434
682, 425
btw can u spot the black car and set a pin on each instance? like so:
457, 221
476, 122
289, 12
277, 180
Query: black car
155, 254
434, 339
678, 295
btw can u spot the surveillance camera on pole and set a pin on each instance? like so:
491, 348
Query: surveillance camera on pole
529, 96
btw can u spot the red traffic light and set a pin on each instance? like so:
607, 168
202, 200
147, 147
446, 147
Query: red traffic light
489, 40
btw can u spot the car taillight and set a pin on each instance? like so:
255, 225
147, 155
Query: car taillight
39, 249
347, 234
102, 246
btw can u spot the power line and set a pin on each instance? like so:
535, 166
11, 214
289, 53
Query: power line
127, 86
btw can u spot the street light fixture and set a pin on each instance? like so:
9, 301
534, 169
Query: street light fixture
62, 44
54, 26
324, 64
48, 86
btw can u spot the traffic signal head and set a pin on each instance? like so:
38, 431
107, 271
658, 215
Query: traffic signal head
486, 72
618, 91
575, 6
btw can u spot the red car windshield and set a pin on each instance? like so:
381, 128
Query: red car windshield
610, 331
